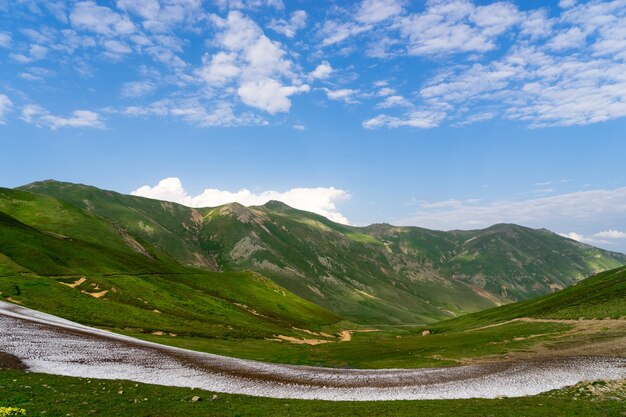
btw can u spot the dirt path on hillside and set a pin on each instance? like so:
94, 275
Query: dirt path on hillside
49, 344
581, 323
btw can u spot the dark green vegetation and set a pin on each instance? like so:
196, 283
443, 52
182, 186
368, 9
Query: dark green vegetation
62, 396
379, 274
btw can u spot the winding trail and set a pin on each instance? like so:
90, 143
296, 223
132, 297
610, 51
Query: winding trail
48, 344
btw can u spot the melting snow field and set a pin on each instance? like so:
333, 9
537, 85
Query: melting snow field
49, 344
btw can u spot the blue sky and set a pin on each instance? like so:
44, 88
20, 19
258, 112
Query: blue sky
442, 114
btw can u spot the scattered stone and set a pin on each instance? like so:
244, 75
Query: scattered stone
195, 399
425, 332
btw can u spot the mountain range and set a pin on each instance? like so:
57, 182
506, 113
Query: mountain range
379, 274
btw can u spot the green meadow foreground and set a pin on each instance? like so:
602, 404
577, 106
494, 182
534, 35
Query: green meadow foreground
51, 395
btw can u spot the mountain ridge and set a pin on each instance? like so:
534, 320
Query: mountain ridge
374, 274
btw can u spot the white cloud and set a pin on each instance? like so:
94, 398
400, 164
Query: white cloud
456, 26
386, 91
41, 117
115, 49
137, 89
258, 66
161, 16
87, 15
318, 200
249, 4
610, 234
607, 238
575, 236
344, 94
374, 11
579, 210
333, 31
290, 27
531, 85
566, 3
571, 38
269, 95
194, 111
425, 119
220, 68
321, 72
5, 106
5, 40
394, 101
35, 53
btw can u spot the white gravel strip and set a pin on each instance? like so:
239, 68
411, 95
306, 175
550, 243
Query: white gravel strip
49, 344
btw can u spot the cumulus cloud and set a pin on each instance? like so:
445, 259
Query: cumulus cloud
5, 106
320, 200
219, 68
343, 94
321, 72
41, 117
269, 95
257, 66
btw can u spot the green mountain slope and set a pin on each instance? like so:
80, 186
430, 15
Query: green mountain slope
601, 296
108, 279
372, 275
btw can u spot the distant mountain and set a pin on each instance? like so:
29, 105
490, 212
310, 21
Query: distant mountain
372, 275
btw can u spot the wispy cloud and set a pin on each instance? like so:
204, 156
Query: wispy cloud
5, 107
41, 117
578, 210
290, 27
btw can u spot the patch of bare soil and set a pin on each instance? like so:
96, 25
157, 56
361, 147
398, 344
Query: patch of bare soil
297, 341
75, 283
96, 294
8, 361
345, 336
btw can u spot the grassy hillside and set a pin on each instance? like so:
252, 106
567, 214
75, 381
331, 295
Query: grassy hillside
114, 283
379, 274
601, 296
548, 325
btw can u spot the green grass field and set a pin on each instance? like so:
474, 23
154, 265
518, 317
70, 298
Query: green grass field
49, 395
